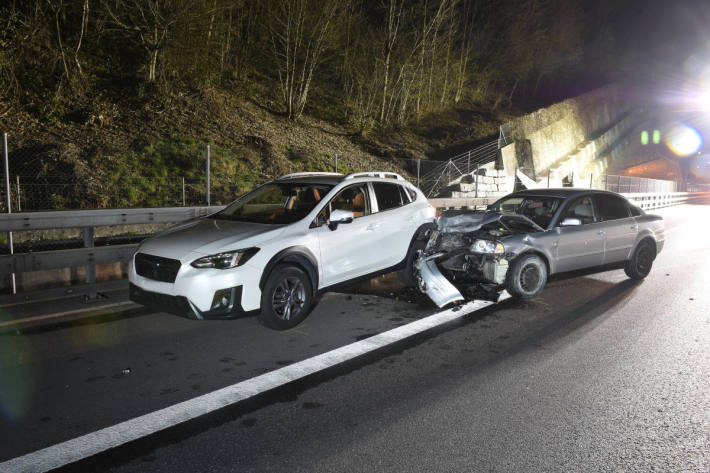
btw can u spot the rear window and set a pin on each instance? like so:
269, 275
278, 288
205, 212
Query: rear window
611, 207
388, 196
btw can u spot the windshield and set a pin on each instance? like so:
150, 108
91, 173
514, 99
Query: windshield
277, 203
538, 209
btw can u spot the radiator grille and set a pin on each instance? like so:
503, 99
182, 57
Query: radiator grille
156, 267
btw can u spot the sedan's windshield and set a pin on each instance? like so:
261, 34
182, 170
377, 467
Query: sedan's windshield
538, 209
278, 203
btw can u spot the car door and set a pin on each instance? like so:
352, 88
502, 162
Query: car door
619, 227
579, 246
347, 251
398, 222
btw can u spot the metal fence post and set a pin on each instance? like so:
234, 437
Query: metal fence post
183, 192
475, 192
335, 162
419, 165
207, 183
19, 203
7, 202
468, 163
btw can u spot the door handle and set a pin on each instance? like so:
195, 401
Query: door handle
372, 226
601, 232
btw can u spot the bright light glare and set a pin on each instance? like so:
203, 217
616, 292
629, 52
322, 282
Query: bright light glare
683, 140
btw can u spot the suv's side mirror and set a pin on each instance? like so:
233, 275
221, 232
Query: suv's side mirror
570, 222
340, 216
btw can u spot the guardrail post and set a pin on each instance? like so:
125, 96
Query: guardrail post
7, 202
87, 234
207, 183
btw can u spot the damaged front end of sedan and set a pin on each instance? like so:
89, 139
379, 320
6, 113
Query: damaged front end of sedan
469, 255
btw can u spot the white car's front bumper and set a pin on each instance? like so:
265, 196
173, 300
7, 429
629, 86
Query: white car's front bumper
194, 289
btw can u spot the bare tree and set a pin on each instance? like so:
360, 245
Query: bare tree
147, 23
299, 33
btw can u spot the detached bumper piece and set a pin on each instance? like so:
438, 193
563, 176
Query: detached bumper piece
226, 303
434, 284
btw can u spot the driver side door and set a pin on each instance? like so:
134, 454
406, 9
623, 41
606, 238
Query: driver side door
580, 246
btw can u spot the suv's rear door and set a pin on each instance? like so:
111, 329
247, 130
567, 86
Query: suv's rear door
397, 223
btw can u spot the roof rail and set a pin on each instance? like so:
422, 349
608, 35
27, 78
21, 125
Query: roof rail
302, 174
382, 174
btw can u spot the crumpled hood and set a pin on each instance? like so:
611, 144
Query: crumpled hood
208, 236
467, 221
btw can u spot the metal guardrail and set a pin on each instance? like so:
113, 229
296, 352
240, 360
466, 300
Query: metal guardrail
645, 200
87, 220
23, 221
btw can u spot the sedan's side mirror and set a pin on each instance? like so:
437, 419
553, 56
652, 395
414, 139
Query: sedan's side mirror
570, 222
340, 216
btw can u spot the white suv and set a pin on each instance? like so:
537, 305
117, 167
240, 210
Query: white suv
280, 245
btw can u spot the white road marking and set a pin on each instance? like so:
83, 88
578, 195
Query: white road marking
56, 315
91, 444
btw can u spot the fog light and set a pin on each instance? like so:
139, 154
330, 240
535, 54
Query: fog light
223, 299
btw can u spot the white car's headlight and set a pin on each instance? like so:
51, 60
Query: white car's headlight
487, 246
226, 260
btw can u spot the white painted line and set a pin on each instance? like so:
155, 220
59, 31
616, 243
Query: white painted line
65, 313
110, 437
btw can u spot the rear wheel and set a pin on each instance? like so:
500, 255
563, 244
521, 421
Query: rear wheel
526, 277
641, 261
287, 298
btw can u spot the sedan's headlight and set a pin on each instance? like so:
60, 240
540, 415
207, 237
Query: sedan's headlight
226, 260
487, 246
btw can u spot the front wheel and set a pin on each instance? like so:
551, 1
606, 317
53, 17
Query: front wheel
641, 261
287, 298
526, 277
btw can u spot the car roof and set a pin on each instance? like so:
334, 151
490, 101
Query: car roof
562, 192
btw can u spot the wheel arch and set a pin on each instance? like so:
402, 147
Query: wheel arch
299, 256
535, 252
649, 239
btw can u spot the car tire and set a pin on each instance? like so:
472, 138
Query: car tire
287, 298
406, 275
641, 261
526, 277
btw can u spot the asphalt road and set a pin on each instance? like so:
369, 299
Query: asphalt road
598, 374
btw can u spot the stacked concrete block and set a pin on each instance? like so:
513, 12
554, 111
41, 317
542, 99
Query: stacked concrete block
491, 183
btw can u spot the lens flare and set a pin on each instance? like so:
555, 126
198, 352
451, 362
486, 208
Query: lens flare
683, 140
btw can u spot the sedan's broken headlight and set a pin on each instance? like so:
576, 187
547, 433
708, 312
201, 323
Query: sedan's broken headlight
487, 246
226, 260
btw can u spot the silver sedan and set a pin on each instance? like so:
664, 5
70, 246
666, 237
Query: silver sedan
527, 236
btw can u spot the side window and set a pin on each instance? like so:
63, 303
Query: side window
611, 207
582, 209
388, 195
353, 198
